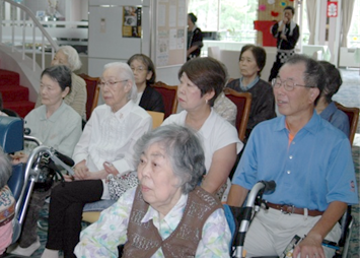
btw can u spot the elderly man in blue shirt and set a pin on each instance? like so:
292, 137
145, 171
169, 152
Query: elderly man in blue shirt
310, 161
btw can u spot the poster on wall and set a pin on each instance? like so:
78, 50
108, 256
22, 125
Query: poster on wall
131, 22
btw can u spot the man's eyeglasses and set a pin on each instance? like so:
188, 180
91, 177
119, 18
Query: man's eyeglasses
109, 83
289, 84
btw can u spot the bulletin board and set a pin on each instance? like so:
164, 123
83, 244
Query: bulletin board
170, 38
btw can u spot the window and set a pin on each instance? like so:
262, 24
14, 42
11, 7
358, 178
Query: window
232, 19
354, 31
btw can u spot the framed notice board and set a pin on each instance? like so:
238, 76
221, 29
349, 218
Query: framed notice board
170, 37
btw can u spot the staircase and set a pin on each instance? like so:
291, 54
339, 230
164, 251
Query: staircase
15, 96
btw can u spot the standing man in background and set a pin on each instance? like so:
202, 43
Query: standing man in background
287, 33
194, 39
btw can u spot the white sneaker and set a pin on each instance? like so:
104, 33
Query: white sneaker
28, 250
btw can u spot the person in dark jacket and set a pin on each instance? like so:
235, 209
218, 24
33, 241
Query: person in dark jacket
144, 73
287, 33
194, 39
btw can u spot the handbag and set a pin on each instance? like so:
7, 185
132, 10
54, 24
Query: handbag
119, 184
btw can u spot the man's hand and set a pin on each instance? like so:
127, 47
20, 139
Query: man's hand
310, 247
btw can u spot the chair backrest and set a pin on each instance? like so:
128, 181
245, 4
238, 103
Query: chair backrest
11, 134
242, 100
169, 97
214, 52
93, 92
157, 118
353, 115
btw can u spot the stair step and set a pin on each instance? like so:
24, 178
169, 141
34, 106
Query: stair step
14, 93
20, 107
9, 77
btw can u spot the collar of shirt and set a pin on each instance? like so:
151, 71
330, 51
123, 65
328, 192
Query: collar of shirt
328, 111
194, 28
54, 117
311, 126
172, 219
124, 111
250, 85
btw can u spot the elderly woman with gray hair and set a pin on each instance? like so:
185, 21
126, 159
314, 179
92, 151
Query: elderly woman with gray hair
168, 214
67, 55
7, 203
105, 147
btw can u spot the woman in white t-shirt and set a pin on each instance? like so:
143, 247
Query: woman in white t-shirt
201, 81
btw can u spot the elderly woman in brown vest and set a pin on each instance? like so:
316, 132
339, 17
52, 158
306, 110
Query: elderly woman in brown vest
168, 214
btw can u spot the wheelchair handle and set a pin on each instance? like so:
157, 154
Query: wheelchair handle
67, 160
32, 175
257, 190
32, 139
269, 186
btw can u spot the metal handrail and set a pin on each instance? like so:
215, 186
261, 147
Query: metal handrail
37, 24
35, 20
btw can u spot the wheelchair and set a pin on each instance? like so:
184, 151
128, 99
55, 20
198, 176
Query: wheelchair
239, 219
26, 176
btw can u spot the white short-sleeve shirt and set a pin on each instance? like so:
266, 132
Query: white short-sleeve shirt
215, 133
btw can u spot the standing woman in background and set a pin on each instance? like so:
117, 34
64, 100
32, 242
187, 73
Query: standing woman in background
144, 73
68, 56
194, 39
287, 33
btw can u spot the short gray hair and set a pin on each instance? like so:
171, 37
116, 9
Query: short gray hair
5, 168
125, 73
72, 57
314, 73
182, 147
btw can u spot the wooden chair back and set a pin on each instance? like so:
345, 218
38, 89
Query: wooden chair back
353, 115
157, 118
169, 94
93, 91
242, 100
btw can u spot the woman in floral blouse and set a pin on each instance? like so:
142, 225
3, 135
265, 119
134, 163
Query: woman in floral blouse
168, 214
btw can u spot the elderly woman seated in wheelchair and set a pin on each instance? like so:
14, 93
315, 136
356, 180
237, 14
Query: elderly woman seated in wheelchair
56, 125
168, 213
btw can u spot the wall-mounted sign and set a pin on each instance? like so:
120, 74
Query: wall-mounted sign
332, 9
131, 22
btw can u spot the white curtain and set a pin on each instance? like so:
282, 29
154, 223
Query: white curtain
311, 14
347, 10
